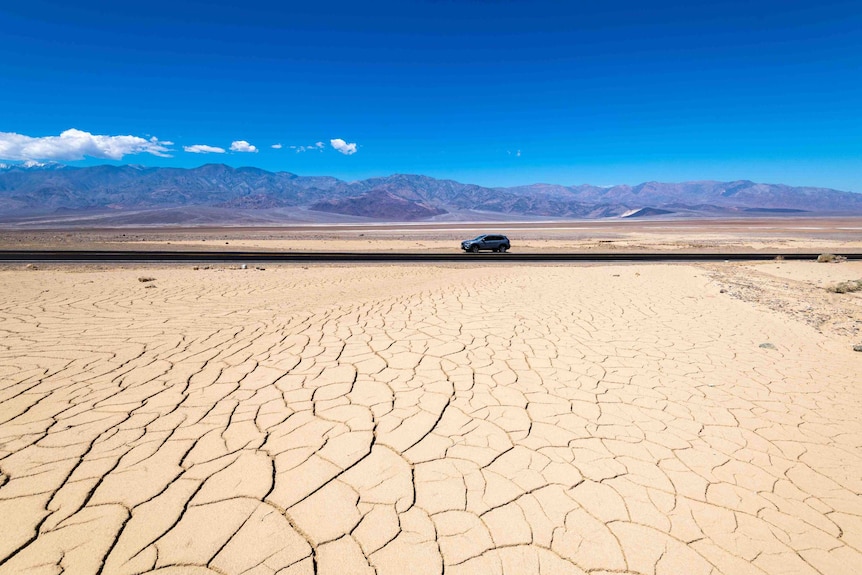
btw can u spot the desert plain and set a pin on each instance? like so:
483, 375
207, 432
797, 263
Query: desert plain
641, 419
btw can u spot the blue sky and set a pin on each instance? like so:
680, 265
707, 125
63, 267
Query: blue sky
494, 92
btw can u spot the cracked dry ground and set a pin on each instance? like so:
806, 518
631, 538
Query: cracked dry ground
420, 420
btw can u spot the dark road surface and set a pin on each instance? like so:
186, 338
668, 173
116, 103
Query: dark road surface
323, 257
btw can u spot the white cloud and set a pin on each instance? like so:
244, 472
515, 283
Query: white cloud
276, 146
518, 154
316, 146
343, 147
76, 145
242, 146
203, 149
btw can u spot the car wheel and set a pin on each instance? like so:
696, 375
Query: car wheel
474, 248
503, 249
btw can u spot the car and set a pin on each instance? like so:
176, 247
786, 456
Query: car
493, 242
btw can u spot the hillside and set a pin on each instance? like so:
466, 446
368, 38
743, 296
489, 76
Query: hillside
104, 194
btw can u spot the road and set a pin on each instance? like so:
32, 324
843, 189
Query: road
417, 257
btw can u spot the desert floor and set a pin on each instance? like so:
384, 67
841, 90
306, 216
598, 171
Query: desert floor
644, 419
801, 234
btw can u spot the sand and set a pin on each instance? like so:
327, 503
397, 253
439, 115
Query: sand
643, 419
801, 234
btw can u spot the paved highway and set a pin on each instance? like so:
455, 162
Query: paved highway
325, 257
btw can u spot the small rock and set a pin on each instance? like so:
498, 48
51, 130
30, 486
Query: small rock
146, 279
830, 258
149, 286
260, 268
857, 347
767, 346
722, 291
196, 268
243, 267
31, 267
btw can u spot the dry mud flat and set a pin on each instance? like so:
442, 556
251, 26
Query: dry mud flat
798, 234
649, 419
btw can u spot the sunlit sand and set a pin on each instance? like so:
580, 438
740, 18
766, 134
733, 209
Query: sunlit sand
644, 419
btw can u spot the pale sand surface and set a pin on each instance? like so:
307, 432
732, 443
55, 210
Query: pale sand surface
811, 235
810, 272
523, 243
415, 419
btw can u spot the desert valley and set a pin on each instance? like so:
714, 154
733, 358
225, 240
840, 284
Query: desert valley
461, 418
431, 287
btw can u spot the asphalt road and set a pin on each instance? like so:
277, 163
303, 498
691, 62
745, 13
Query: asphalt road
312, 257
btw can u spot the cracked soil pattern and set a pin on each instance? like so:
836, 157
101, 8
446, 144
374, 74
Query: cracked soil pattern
409, 419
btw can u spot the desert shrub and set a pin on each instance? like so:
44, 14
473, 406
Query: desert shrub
846, 287
830, 258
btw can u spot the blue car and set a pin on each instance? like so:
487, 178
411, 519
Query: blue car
492, 242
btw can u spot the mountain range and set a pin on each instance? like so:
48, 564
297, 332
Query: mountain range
52, 194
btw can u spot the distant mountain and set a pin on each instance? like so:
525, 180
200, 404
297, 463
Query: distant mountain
645, 213
42, 194
32, 165
734, 195
379, 204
